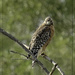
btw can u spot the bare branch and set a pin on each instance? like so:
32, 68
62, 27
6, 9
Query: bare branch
55, 65
18, 53
37, 61
53, 69
24, 47
14, 39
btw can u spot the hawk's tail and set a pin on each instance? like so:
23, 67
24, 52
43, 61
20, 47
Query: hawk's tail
34, 60
33, 63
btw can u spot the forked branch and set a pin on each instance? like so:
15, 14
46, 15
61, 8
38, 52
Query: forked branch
23, 46
54, 63
26, 49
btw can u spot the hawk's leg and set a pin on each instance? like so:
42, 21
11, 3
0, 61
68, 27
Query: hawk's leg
28, 56
43, 54
34, 59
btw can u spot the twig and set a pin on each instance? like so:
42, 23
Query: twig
37, 61
23, 46
21, 54
18, 53
17, 59
53, 69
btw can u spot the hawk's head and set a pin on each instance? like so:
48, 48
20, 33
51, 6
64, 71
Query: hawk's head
48, 21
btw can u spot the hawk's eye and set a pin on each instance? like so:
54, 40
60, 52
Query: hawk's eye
48, 20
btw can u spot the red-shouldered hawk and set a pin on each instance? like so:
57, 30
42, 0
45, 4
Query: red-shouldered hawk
41, 37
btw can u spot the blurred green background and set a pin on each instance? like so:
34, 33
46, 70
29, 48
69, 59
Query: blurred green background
21, 18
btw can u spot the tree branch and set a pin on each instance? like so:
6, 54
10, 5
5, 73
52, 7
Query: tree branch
14, 39
37, 61
53, 69
55, 65
24, 47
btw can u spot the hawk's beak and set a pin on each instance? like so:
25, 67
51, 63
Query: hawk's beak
51, 23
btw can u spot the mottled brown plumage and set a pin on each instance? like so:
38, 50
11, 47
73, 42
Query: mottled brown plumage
41, 37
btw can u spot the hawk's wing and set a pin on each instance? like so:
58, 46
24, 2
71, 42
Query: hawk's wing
40, 37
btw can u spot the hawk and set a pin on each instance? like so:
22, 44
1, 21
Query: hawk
41, 37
